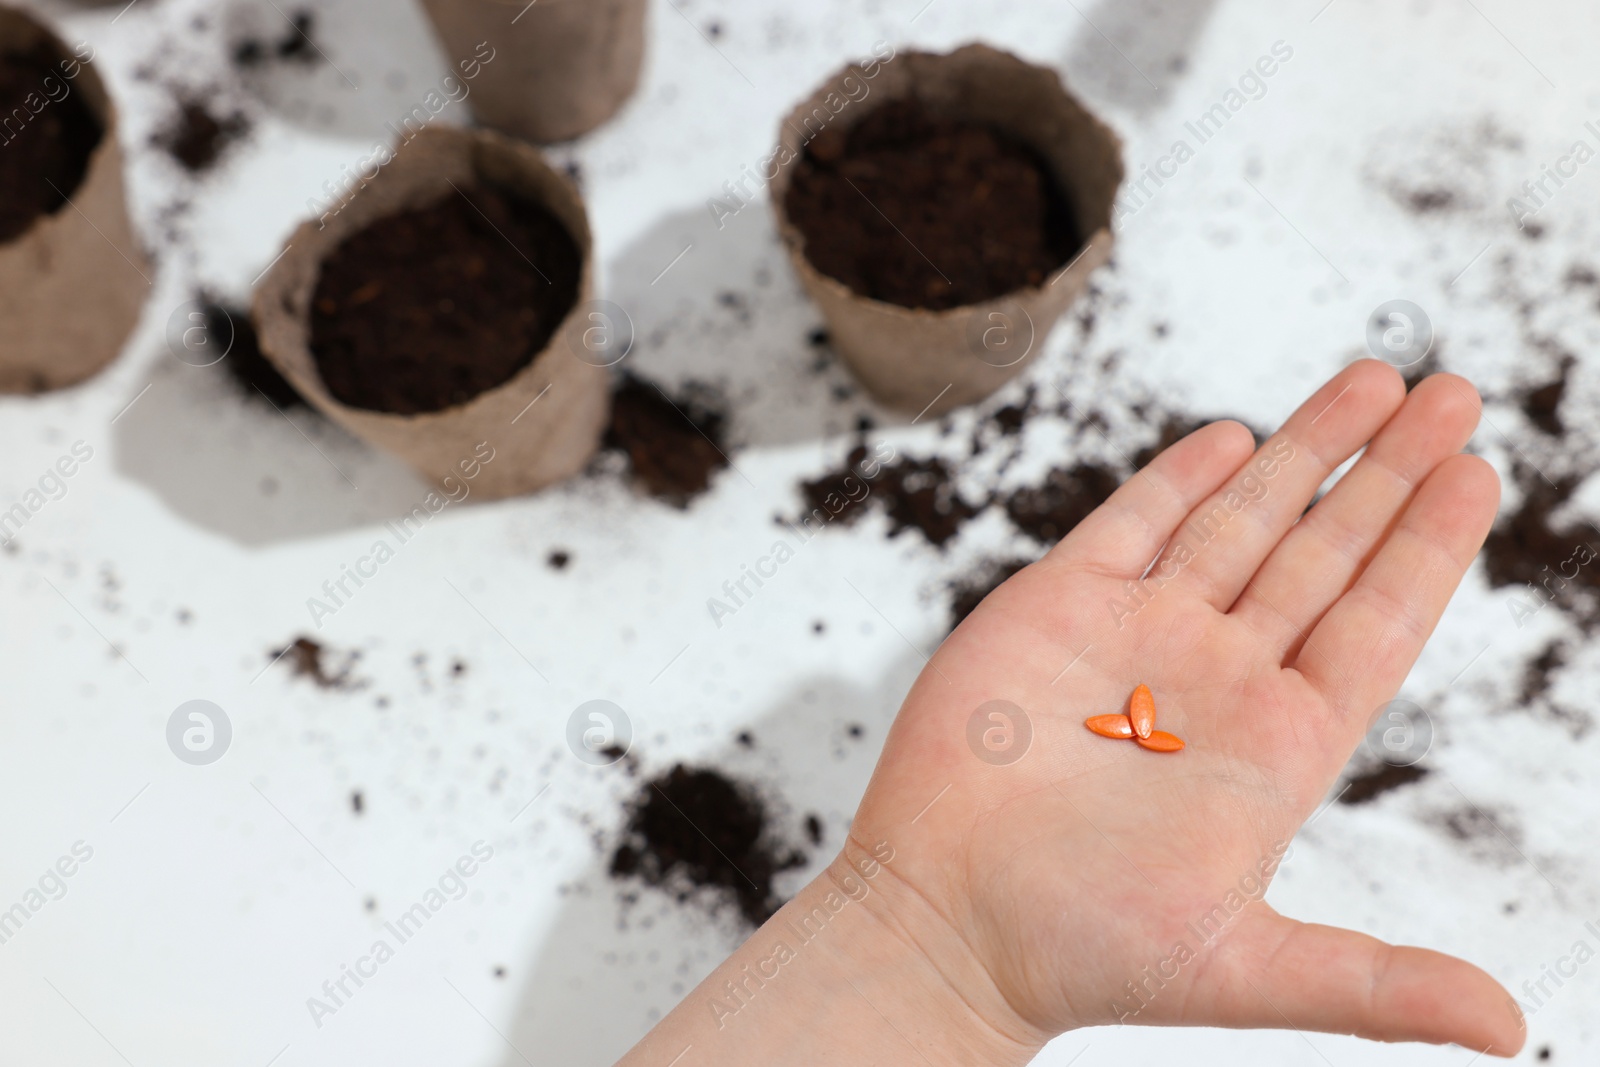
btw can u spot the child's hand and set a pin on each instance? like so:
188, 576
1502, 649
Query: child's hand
1039, 889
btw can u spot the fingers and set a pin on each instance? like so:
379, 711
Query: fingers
1223, 541
1280, 973
1325, 551
1124, 534
1361, 650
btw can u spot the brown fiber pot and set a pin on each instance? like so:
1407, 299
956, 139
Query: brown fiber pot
557, 68
73, 284
537, 437
913, 359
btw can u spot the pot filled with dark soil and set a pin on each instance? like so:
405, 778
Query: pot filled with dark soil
437, 315
943, 211
72, 276
546, 71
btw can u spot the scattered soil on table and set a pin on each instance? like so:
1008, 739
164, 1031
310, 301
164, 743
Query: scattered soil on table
694, 832
305, 658
1489, 834
43, 162
1013, 417
915, 494
297, 45
673, 445
1367, 787
924, 211
921, 495
427, 309
814, 829
358, 803
1529, 547
1049, 511
1541, 404
245, 363
967, 593
837, 493
1539, 673
196, 137
558, 559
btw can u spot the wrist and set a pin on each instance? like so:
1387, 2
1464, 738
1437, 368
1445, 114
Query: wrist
911, 965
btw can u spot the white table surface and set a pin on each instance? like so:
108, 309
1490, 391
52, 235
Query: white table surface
219, 898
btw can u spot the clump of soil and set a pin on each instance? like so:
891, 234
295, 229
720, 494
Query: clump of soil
305, 658
1541, 404
558, 559
694, 832
1365, 788
925, 211
1049, 511
1539, 673
1529, 546
839, 489
245, 364
967, 593
43, 155
426, 309
915, 494
196, 137
674, 446
297, 45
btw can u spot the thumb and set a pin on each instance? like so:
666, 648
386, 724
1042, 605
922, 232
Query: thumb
1278, 973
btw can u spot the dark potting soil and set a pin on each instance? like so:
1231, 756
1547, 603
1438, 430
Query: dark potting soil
1539, 673
967, 593
924, 211
673, 445
1528, 547
305, 658
1049, 511
245, 364
296, 45
1541, 404
1365, 788
42, 162
915, 494
426, 309
693, 830
196, 138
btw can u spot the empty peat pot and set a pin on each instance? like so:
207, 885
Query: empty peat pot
546, 71
943, 211
440, 315
72, 276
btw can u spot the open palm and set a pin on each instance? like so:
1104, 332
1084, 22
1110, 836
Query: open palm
1060, 879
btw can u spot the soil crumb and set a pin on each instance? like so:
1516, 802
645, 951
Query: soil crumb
558, 559
1541, 404
1049, 511
45, 151
246, 365
305, 658
196, 138
915, 494
674, 446
1555, 562
428, 308
695, 833
297, 45
1367, 787
967, 593
925, 211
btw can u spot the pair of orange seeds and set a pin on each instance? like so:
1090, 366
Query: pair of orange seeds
1139, 724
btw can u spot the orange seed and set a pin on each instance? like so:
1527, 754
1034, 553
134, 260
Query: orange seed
1161, 741
1114, 726
1142, 711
